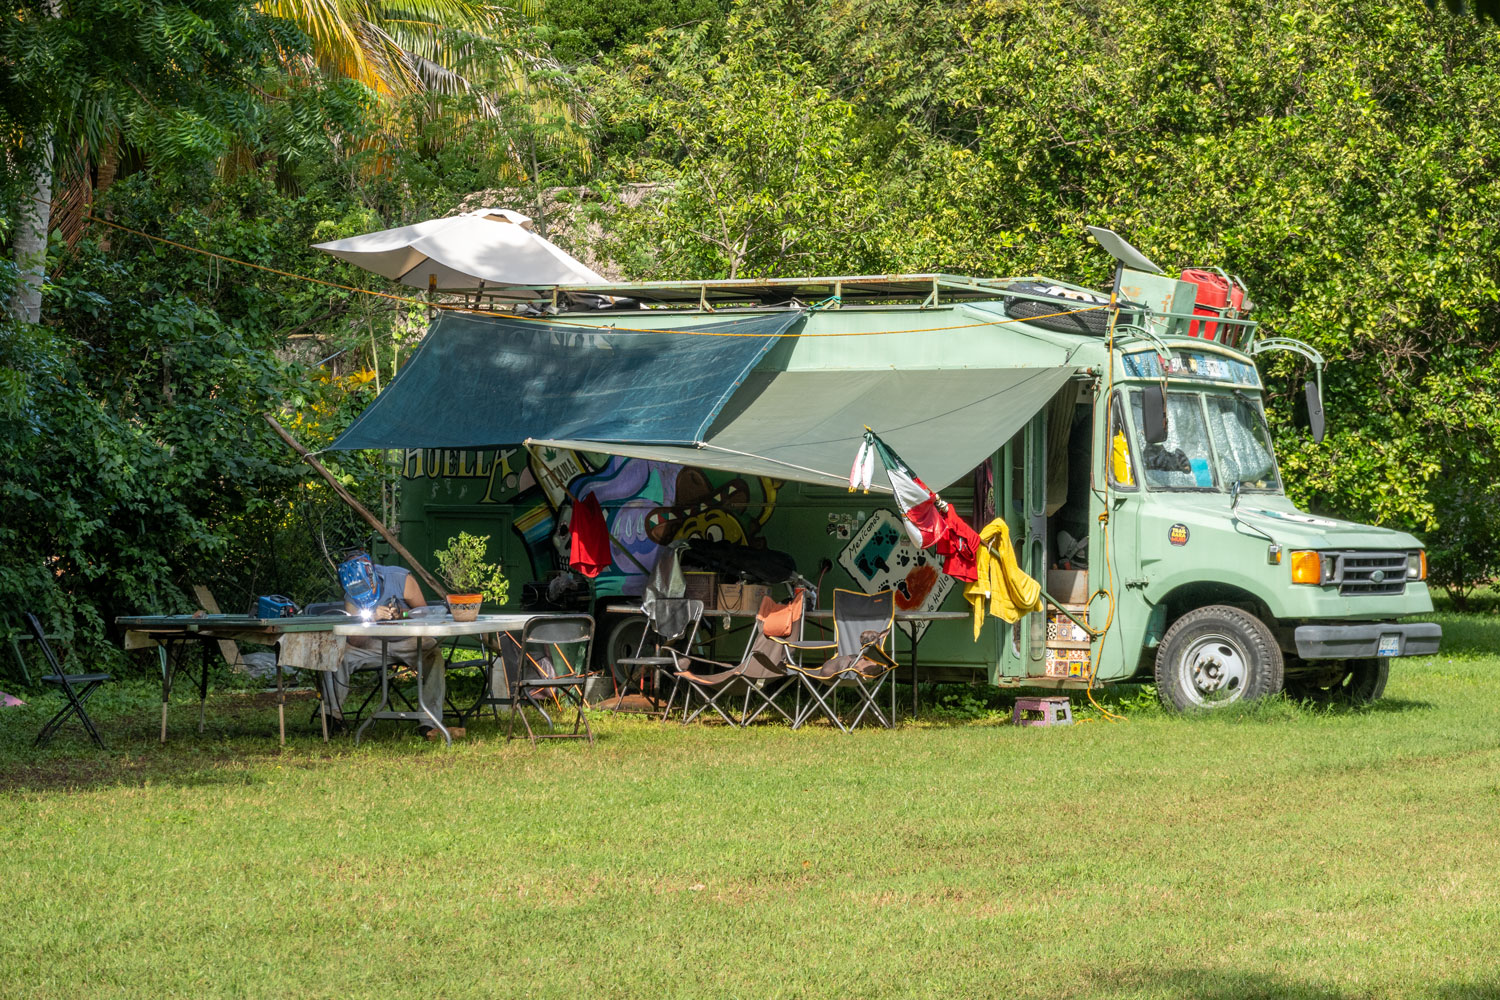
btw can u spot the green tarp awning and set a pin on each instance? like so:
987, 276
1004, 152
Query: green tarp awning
797, 412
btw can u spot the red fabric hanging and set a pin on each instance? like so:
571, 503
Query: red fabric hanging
589, 553
960, 544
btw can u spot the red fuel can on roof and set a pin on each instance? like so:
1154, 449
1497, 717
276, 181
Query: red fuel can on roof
1218, 295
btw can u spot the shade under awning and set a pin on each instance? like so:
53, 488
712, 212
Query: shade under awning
719, 402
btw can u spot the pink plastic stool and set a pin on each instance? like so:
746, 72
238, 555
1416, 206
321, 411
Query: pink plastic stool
1052, 712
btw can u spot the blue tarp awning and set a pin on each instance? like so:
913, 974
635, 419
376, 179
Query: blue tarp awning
483, 381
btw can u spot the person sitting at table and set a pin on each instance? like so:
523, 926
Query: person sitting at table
380, 593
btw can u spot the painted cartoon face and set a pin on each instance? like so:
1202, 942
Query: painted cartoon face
713, 525
562, 534
703, 511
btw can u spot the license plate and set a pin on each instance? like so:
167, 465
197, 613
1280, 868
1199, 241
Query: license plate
1390, 645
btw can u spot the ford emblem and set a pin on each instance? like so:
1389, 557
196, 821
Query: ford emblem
1378, 576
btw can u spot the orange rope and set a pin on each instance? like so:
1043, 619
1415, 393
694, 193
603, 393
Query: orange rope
1096, 655
412, 300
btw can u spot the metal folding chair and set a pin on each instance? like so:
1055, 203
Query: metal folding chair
77, 697
864, 655
671, 629
554, 660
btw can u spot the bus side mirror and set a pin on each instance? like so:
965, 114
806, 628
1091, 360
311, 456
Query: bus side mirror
1154, 414
1314, 410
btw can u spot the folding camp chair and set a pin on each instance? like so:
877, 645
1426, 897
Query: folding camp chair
77, 696
671, 629
864, 647
762, 672
554, 658
780, 623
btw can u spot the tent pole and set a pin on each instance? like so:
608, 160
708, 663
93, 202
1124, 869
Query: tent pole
359, 509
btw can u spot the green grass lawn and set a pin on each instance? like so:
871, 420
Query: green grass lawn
1279, 851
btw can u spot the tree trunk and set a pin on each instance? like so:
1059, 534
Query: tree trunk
109, 167
31, 239
33, 220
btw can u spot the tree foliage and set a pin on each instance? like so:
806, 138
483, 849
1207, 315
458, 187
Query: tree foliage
581, 30
175, 77
1342, 160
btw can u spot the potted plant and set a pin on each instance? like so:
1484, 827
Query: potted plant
470, 579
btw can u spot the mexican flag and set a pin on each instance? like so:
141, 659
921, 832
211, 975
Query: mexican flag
922, 511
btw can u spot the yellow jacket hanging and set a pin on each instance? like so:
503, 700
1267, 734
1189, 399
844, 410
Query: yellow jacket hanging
1009, 591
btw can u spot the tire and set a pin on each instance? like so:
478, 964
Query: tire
1360, 683
1216, 656
1094, 323
624, 638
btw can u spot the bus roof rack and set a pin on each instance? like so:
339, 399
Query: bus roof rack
926, 289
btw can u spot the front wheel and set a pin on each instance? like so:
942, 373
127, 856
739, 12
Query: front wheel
1216, 656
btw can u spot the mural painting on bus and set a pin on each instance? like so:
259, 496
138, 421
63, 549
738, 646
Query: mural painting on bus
647, 504
881, 556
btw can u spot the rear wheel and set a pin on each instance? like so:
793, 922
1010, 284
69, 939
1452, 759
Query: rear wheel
1360, 682
1216, 656
624, 639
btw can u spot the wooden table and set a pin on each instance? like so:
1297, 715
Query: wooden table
208, 630
395, 629
826, 614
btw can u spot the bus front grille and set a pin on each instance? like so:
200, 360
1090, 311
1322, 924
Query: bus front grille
1370, 573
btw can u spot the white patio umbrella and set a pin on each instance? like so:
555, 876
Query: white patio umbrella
490, 248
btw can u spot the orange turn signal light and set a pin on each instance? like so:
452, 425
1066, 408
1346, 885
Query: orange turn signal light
1307, 567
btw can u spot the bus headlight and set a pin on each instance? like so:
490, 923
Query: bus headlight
1307, 567
1416, 565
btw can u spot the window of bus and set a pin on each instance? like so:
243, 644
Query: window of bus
1243, 443
1121, 466
1185, 460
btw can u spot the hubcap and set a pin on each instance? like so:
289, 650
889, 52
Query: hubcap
1213, 671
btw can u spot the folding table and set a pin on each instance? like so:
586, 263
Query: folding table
396, 629
164, 631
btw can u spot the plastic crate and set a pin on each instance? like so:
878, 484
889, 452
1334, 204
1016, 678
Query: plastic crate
700, 586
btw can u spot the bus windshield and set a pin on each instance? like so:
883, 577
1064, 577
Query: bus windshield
1185, 460
1243, 443
1214, 441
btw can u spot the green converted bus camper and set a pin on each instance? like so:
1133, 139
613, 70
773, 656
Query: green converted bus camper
1128, 454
